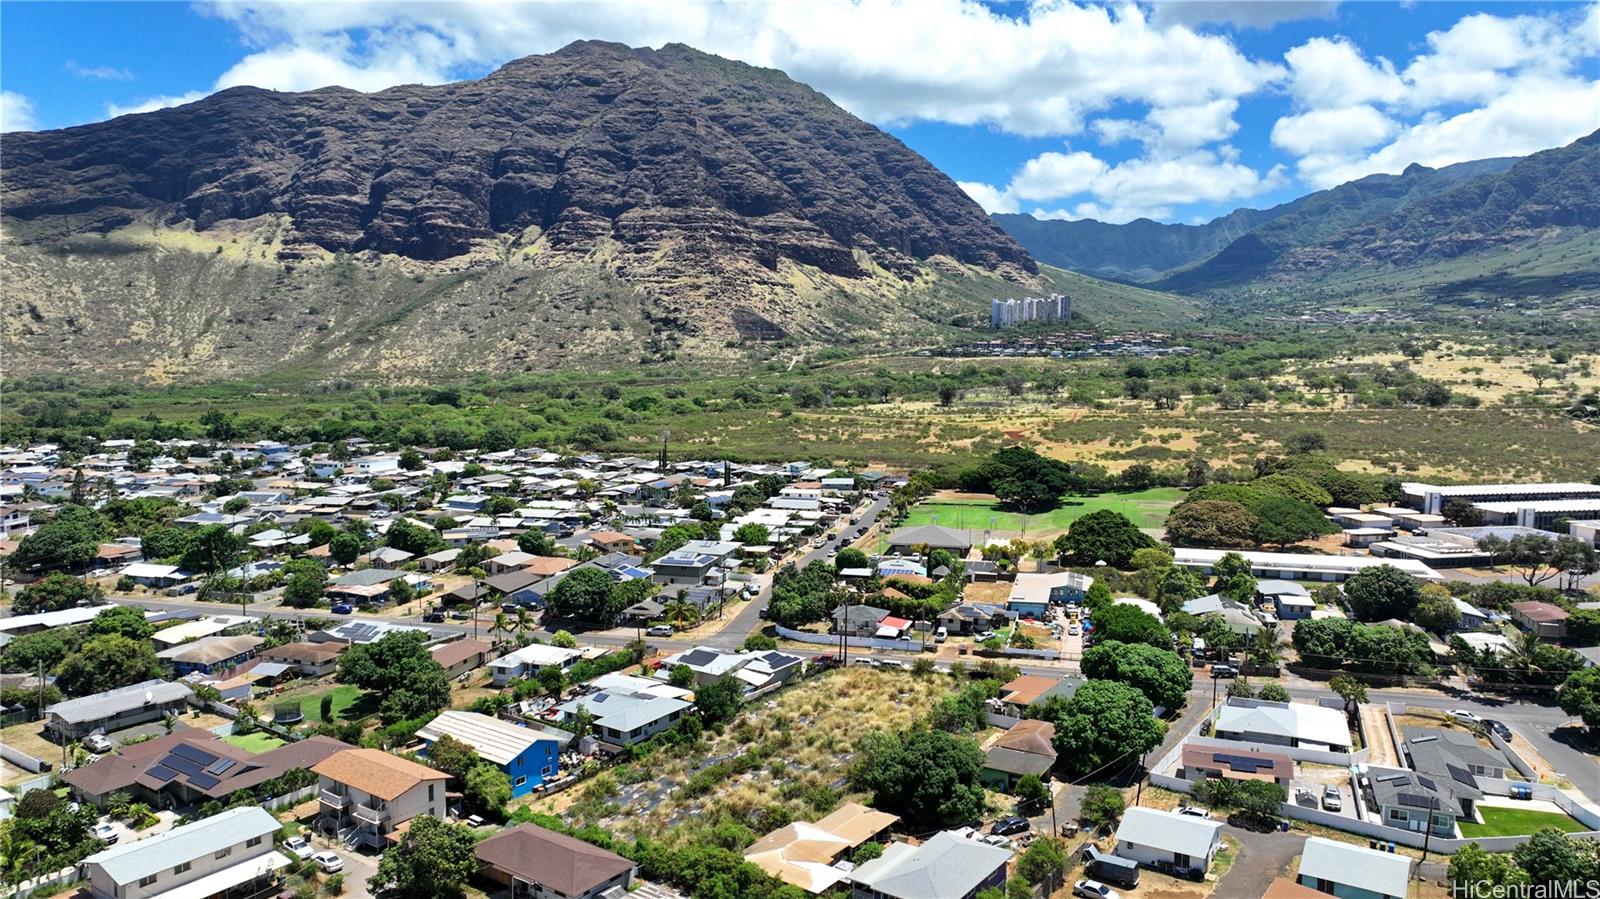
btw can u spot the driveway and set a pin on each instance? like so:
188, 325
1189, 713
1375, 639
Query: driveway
1262, 856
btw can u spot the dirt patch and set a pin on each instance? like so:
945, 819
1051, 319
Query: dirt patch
1380, 745
996, 592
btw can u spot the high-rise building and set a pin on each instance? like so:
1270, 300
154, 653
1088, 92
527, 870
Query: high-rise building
1005, 313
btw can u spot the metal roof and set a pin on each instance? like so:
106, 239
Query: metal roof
122, 699
1383, 873
495, 740
1168, 831
135, 860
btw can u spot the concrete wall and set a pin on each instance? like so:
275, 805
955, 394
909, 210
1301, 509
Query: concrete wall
23, 760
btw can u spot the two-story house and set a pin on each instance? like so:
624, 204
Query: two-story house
529, 756
367, 793
229, 853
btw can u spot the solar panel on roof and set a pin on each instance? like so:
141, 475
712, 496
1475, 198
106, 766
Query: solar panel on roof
162, 773
1427, 783
1417, 801
1462, 775
220, 766
1248, 764
204, 781
186, 766
194, 753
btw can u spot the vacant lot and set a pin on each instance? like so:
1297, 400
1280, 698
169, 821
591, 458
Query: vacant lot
1514, 822
1145, 508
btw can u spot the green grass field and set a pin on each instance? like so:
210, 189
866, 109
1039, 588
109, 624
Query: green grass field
1516, 822
346, 698
256, 742
1146, 508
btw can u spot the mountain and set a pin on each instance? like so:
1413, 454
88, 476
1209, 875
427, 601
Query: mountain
1141, 250
597, 205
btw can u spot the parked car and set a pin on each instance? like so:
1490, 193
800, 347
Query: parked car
342, 608
659, 630
996, 840
434, 617
328, 861
1499, 728
105, 832
1193, 811
1094, 889
510, 608
299, 847
1013, 825
940, 635
1330, 798
99, 744
986, 635
1224, 671
1465, 716
1073, 630
1304, 796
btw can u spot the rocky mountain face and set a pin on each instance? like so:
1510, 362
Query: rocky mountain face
708, 193
1421, 217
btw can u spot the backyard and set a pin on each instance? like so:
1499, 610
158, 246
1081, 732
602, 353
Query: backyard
1499, 821
349, 703
258, 742
1145, 508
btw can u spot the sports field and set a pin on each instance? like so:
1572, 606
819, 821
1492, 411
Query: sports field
1145, 508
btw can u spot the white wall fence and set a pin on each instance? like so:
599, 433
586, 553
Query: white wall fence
895, 645
23, 760
46, 885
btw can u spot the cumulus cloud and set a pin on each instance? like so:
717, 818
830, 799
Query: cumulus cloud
16, 112
1240, 13
151, 104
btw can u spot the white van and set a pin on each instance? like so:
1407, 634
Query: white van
941, 634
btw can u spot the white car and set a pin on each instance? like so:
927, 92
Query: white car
98, 744
328, 862
105, 832
1094, 889
985, 636
1193, 812
299, 847
1465, 716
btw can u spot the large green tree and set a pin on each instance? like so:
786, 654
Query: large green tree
1159, 674
1128, 624
413, 538
586, 594
54, 592
434, 859
1211, 523
1103, 536
123, 621
1281, 520
1552, 858
1105, 724
213, 548
105, 663
398, 668
1580, 695
69, 540
1382, 592
926, 777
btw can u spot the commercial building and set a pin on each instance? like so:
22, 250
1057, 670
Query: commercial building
1053, 308
1545, 515
1302, 567
1432, 499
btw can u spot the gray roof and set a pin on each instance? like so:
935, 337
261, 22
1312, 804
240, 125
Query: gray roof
1411, 789
934, 536
367, 577
122, 699
1444, 752
132, 861
1280, 588
1169, 831
947, 866
1383, 873
624, 711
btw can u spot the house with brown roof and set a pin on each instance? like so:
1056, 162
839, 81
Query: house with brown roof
538, 863
1023, 691
1027, 748
309, 659
1544, 620
614, 542
545, 566
366, 794
1200, 762
190, 766
460, 656
805, 854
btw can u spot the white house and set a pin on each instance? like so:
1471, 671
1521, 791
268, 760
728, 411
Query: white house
629, 709
230, 853
1284, 724
1152, 837
1353, 872
530, 659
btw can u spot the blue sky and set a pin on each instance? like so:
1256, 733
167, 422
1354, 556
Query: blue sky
1178, 111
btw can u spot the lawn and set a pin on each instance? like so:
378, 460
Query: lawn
346, 698
1516, 822
1145, 508
258, 742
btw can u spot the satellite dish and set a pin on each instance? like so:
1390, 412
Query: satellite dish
1100, 564
149, 697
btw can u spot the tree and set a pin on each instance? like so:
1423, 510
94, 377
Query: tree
1211, 523
105, 663
1273, 692
413, 538
1303, 443
1580, 695
850, 557
1260, 799
1176, 586
759, 642
1044, 863
1031, 791
411, 460
1583, 627
54, 592
214, 548
488, 789
1552, 858
1103, 536
719, 702
434, 859
536, 543
681, 676
123, 621
926, 777
1437, 611
1127, 624
344, 548
1352, 691
752, 534
398, 668
553, 680
564, 640
69, 540
585, 595
450, 756
29, 652
1281, 520
1471, 869
1102, 805
1105, 724
303, 588
1531, 557
1381, 592
1160, 675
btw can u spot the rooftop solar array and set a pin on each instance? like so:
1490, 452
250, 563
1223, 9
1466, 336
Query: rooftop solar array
203, 781
1416, 800
162, 773
1248, 764
194, 753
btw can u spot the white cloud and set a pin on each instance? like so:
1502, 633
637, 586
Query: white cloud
991, 198
98, 73
1342, 130
153, 103
16, 113
1331, 72
1239, 13
1050, 176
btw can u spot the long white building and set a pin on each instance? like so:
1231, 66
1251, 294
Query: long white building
1054, 308
1303, 567
1431, 498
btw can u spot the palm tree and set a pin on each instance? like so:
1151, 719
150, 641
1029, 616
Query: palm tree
502, 626
678, 611
522, 626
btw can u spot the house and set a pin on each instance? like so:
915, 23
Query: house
858, 621
529, 756
197, 629
507, 562
974, 618
210, 655
114, 710
230, 853
18, 625
1158, 838
367, 793
696, 562
907, 541
1025, 749
527, 661
947, 866
1446, 753
387, 557
758, 670
1415, 801
1032, 594
190, 766
628, 709
1025, 690
307, 659
525, 588
460, 656
1283, 724
150, 574
439, 561
1201, 762
1289, 600
365, 585
537, 863
614, 542
805, 854
1545, 620
1353, 872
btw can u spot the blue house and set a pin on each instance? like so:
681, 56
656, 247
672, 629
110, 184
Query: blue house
529, 756
1032, 594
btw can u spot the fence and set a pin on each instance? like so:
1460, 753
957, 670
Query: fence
852, 642
23, 760
47, 885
